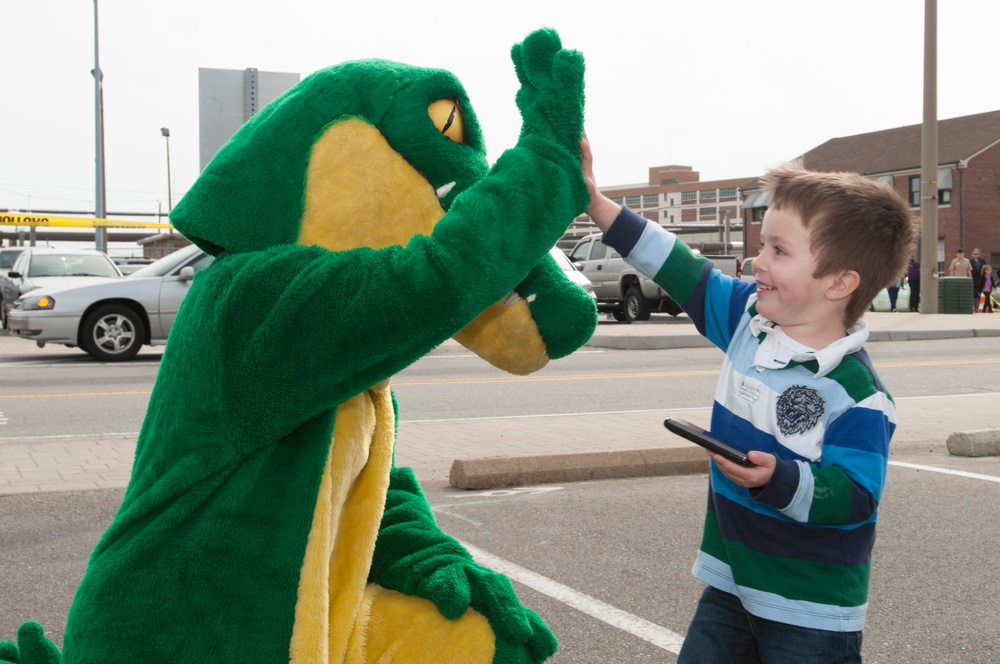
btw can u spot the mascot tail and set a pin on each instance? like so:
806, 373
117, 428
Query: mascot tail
32, 647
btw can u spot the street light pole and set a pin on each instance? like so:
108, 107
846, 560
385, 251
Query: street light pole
928, 168
100, 234
166, 134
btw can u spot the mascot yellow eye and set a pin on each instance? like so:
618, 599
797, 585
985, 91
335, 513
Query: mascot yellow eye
447, 117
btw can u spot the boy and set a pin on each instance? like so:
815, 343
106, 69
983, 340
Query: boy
786, 548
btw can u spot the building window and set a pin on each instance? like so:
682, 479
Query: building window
944, 195
689, 196
707, 213
758, 214
632, 200
729, 192
651, 198
617, 199
706, 194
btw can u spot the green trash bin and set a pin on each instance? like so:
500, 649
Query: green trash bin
955, 295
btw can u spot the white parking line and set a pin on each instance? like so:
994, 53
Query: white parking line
643, 629
945, 471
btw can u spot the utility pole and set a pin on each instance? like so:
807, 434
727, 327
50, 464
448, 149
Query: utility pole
100, 234
170, 202
928, 168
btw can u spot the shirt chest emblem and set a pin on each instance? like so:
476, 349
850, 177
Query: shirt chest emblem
798, 410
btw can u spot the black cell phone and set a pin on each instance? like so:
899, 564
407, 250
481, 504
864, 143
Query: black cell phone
697, 435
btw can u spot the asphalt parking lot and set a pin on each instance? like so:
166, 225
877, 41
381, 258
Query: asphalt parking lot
607, 563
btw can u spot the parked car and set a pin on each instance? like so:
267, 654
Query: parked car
748, 274
38, 267
7, 258
622, 290
574, 274
130, 265
111, 319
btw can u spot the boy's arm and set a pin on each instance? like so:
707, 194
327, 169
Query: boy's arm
713, 301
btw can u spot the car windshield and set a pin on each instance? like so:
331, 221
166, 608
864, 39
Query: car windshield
7, 258
561, 259
71, 265
166, 264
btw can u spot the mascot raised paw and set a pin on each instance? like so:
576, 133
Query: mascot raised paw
356, 226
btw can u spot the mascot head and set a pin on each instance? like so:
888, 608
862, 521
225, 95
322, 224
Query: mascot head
369, 154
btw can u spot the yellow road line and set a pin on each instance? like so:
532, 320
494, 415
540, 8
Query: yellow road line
75, 394
528, 379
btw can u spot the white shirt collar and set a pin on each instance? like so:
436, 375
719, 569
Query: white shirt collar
777, 349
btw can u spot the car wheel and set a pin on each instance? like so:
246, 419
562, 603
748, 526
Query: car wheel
3, 315
112, 333
620, 316
636, 305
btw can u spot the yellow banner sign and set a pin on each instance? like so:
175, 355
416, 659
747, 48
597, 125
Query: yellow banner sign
17, 219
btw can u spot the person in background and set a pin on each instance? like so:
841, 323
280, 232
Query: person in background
987, 280
913, 279
893, 290
960, 266
787, 543
976, 266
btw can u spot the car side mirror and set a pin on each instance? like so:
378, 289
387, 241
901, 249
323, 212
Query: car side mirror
14, 275
186, 273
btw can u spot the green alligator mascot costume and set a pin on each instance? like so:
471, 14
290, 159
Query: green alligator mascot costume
356, 227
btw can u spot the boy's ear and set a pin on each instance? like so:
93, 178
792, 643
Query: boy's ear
844, 283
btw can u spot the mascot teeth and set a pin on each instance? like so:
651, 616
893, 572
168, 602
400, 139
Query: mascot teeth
443, 190
512, 298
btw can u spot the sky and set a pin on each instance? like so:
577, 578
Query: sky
728, 87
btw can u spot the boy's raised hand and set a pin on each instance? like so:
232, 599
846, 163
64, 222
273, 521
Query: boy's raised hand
602, 210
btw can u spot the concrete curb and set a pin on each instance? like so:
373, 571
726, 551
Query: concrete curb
978, 443
503, 471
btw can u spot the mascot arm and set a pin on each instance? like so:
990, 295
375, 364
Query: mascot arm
413, 556
395, 304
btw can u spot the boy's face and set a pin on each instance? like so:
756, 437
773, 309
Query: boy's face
787, 291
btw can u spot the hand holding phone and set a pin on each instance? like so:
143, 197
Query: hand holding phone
697, 435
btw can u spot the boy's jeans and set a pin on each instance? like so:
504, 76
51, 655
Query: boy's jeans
722, 632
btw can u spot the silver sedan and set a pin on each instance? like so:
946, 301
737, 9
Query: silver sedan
111, 319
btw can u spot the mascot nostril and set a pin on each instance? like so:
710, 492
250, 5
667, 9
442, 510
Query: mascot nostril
356, 227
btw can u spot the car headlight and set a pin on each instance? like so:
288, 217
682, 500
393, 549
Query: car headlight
37, 302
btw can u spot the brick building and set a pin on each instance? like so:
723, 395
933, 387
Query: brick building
707, 214
968, 179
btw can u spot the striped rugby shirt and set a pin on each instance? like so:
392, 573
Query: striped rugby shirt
797, 551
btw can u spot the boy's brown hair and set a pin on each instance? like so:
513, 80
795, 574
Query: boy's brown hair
857, 224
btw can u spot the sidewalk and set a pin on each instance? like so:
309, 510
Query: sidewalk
669, 332
495, 452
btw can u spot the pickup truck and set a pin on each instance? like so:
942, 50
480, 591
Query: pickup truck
620, 289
